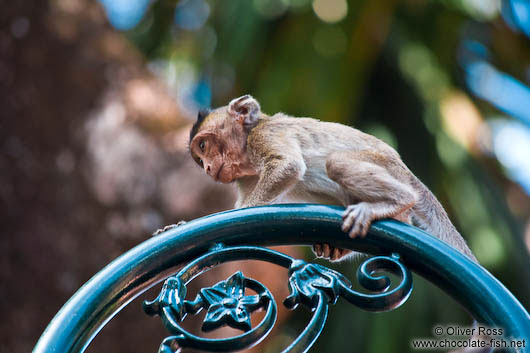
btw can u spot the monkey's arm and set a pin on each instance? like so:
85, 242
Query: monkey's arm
279, 175
280, 169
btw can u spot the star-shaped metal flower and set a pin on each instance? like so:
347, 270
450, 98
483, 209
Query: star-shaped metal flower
227, 304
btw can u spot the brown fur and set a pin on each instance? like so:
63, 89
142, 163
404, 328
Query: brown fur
284, 159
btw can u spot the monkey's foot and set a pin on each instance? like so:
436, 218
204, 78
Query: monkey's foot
168, 227
357, 219
329, 252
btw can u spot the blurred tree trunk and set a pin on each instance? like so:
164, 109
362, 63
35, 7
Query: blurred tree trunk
92, 160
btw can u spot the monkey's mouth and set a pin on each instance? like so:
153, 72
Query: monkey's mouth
219, 172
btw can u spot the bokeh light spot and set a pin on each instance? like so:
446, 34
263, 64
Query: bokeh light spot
488, 247
482, 9
451, 154
511, 145
125, 14
461, 119
192, 14
330, 11
516, 13
502, 90
418, 64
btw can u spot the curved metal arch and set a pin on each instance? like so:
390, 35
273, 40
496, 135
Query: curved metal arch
94, 304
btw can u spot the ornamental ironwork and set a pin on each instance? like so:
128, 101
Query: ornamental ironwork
227, 303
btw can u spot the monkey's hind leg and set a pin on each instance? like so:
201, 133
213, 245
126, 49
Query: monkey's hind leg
375, 183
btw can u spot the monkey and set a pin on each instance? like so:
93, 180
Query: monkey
278, 159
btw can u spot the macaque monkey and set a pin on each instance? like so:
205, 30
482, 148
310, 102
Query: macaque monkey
278, 159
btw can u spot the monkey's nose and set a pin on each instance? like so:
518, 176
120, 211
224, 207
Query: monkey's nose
208, 169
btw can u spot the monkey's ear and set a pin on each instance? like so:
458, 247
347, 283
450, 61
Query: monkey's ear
245, 108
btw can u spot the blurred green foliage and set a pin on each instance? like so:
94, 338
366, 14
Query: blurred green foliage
387, 67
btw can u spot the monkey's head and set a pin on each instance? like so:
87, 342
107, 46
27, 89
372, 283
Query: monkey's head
218, 139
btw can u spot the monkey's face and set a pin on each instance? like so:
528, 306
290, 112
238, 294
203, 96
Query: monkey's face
222, 157
207, 152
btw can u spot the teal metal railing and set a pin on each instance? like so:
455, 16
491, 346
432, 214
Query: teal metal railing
197, 246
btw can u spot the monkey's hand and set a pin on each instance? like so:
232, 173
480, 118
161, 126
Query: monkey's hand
329, 252
357, 219
356, 222
168, 227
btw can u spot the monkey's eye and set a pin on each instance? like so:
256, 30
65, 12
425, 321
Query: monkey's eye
201, 146
200, 162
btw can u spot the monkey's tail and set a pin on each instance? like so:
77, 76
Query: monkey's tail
429, 215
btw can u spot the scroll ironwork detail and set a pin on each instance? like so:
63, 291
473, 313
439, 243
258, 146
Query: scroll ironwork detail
312, 285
